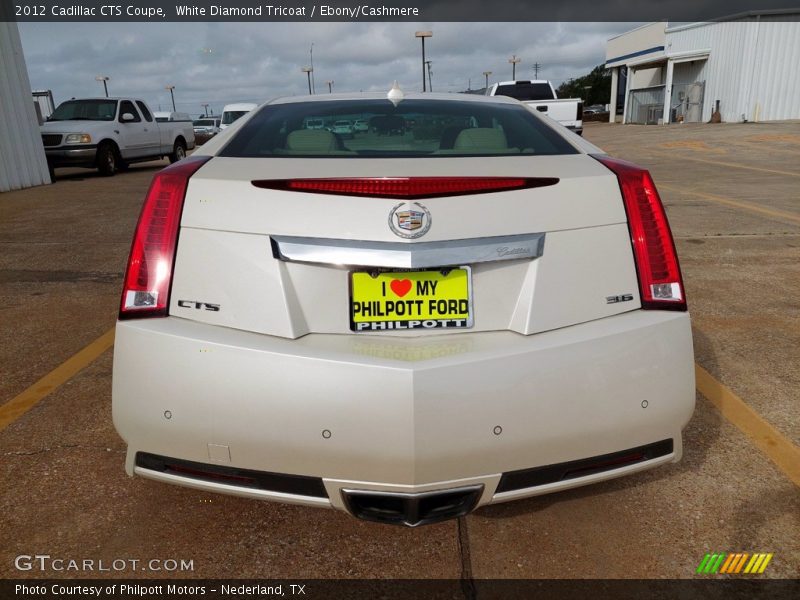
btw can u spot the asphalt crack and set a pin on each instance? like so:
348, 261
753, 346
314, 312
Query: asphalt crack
467, 580
60, 447
54, 276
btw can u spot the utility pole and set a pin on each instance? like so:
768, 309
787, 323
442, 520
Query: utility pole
330, 86
536, 66
422, 35
307, 71
172, 95
514, 60
486, 75
430, 83
313, 86
104, 79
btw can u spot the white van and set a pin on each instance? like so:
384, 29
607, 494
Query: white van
231, 112
165, 117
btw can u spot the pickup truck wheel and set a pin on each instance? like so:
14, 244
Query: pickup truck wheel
178, 151
107, 159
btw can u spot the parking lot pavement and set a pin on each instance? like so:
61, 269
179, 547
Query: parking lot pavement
730, 192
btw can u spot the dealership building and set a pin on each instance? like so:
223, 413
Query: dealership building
22, 160
745, 66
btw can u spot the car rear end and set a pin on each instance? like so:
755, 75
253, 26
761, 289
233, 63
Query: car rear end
405, 327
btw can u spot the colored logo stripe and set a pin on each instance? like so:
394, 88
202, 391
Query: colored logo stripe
734, 563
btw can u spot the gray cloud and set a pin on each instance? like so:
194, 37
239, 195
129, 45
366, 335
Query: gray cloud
228, 62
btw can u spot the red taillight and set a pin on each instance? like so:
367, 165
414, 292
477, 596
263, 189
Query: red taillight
412, 188
145, 292
660, 282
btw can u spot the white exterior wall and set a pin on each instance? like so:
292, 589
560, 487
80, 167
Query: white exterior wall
752, 68
642, 38
689, 72
22, 160
647, 77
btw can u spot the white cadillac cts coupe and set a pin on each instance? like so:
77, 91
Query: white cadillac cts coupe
462, 303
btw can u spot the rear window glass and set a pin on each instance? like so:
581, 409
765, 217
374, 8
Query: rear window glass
414, 128
526, 91
85, 110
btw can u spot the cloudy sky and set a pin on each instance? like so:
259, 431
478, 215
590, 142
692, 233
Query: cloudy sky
218, 63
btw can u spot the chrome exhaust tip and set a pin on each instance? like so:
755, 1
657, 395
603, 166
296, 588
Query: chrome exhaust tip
412, 510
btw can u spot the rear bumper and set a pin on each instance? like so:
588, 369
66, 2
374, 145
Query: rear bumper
403, 415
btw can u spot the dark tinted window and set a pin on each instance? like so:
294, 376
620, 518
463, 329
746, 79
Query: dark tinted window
145, 113
127, 107
526, 91
85, 110
413, 128
229, 116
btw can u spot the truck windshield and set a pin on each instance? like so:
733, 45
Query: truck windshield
85, 110
413, 128
526, 91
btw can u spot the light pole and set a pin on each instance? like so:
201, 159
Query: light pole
330, 86
430, 83
307, 71
103, 78
172, 95
205, 109
422, 35
313, 85
514, 60
486, 75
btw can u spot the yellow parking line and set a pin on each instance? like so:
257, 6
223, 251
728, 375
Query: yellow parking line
772, 212
769, 440
738, 166
18, 406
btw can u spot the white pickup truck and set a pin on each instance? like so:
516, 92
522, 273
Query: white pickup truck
541, 95
110, 133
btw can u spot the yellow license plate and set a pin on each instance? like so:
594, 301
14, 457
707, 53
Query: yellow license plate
411, 300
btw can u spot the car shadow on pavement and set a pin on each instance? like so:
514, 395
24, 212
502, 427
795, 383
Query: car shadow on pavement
699, 437
79, 174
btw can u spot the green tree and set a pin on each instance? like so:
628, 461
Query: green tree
594, 88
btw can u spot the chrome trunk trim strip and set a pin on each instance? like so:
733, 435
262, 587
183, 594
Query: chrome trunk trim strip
402, 255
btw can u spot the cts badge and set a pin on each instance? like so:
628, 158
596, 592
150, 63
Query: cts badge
410, 220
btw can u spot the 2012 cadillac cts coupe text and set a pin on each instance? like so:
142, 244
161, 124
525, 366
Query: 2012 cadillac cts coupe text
461, 303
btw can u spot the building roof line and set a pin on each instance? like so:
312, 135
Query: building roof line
775, 12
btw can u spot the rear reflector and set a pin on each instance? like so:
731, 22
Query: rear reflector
406, 187
299, 485
528, 478
145, 292
660, 282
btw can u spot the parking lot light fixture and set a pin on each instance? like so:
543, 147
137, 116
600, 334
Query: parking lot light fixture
172, 95
422, 35
104, 79
486, 75
307, 71
514, 61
